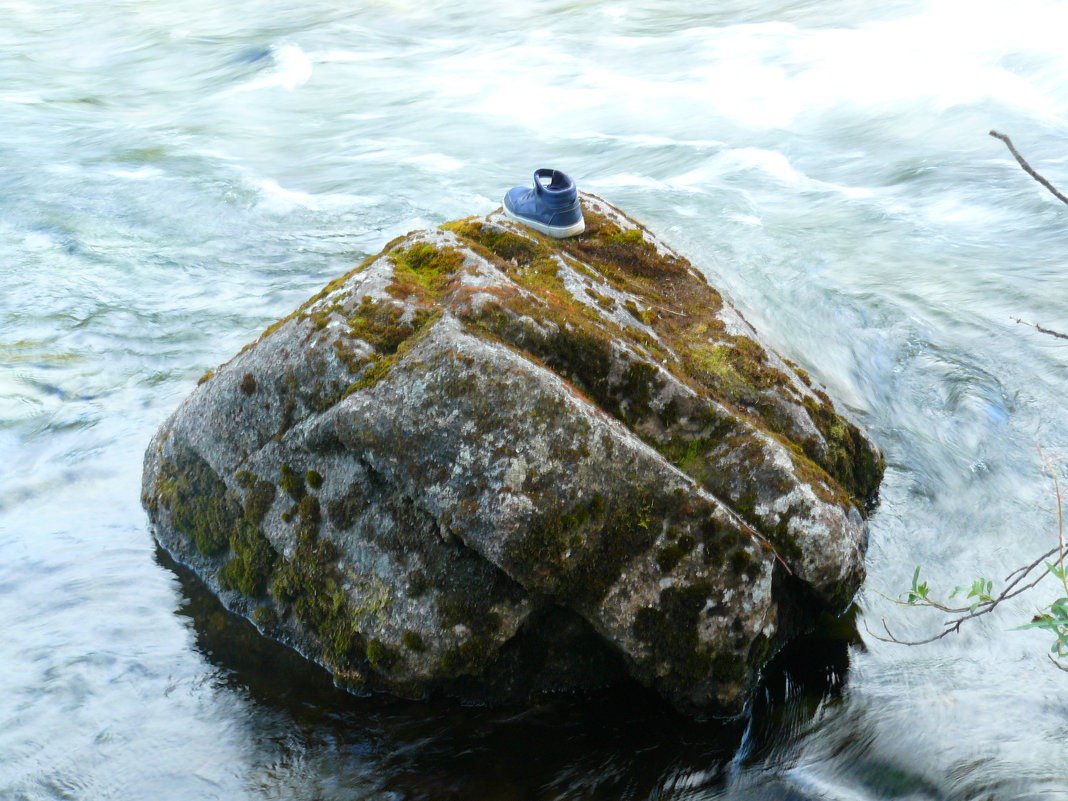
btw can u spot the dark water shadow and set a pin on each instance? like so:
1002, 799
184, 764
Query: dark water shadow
617, 744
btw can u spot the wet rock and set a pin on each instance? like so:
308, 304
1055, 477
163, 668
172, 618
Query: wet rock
490, 464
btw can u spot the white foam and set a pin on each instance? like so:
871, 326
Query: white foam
952, 54
136, 175
346, 56
772, 75
647, 140
770, 162
745, 219
278, 199
624, 180
434, 162
292, 68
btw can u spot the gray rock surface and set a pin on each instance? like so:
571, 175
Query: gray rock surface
490, 464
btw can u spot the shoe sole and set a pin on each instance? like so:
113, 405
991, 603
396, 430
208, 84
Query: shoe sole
555, 231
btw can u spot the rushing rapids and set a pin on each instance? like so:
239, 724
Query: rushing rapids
177, 176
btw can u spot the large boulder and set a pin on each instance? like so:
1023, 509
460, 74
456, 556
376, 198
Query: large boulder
490, 464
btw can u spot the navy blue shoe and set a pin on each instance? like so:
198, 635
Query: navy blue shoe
551, 207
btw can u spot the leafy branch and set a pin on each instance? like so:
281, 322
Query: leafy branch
983, 600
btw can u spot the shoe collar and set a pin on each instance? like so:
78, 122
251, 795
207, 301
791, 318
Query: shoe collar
559, 189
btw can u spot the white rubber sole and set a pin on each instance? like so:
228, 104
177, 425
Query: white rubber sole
555, 231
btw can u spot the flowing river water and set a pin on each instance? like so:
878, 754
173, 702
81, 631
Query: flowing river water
176, 176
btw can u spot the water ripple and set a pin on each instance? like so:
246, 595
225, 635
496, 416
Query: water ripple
174, 177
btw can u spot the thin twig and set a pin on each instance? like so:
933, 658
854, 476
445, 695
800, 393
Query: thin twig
1006, 594
890, 637
1028, 568
669, 311
766, 543
1061, 545
1043, 330
1028, 168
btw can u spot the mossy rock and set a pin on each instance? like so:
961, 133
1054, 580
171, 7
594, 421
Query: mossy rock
482, 432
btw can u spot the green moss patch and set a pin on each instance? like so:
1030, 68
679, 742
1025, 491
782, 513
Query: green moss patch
379, 367
461, 606
385, 325
669, 630
342, 511
245, 479
310, 516
311, 584
292, 483
668, 557
425, 265
611, 249
207, 513
577, 555
258, 500
504, 244
265, 617
200, 506
381, 657
413, 642
848, 458
470, 657
252, 564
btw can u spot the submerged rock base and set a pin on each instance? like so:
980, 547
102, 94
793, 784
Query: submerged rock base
490, 464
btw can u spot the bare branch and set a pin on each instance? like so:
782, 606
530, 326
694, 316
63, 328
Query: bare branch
765, 543
1021, 574
1028, 168
1027, 568
952, 628
1040, 328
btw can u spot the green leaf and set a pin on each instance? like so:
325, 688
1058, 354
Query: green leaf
917, 592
